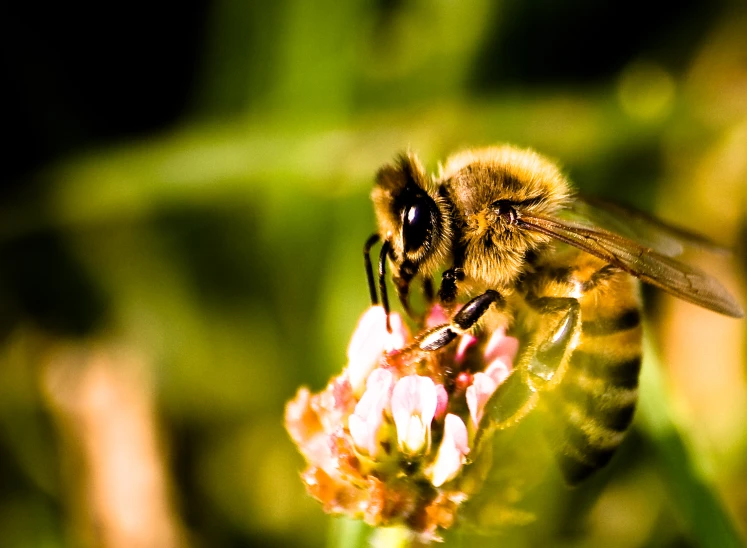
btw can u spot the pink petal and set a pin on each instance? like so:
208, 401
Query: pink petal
456, 432
442, 399
305, 427
465, 342
501, 344
499, 369
451, 453
437, 316
478, 395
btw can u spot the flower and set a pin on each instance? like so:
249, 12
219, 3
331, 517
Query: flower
466, 342
388, 440
414, 403
452, 452
369, 340
365, 423
442, 400
501, 346
478, 395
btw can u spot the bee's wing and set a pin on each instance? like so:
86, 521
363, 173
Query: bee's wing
649, 265
648, 231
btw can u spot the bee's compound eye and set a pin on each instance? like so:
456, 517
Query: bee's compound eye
417, 225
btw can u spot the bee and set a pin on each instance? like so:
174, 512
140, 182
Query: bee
504, 227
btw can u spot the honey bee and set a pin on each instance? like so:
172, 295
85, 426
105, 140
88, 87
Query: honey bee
504, 227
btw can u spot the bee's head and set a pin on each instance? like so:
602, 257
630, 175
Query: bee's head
412, 218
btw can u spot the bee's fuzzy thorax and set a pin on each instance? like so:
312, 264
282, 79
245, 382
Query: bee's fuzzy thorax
476, 179
482, 176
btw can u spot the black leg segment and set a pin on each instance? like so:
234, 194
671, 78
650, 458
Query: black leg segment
448, 291
465, 319
474, 310
438, 337
402, 278
372, 240
382, 282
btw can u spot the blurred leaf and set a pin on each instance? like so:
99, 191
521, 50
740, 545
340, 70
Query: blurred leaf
697, 502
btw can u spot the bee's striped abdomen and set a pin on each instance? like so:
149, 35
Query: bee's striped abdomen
592, 406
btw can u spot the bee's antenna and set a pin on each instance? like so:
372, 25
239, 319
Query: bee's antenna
385, 248
372, 240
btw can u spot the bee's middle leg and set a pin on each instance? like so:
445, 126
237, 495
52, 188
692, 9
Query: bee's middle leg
462, 321
448, 291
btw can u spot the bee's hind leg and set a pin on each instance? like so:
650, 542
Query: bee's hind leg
519, 393
554, 350
464, 320
561, 318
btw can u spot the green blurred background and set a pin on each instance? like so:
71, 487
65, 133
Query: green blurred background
183, 204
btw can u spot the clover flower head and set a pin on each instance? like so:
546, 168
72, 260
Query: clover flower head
390, 439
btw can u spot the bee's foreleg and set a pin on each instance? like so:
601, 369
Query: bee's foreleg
464, 320
370, 242
402, 279
402, 285
383, 253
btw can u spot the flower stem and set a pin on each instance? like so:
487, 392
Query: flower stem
393, 537
352, 533
347, 533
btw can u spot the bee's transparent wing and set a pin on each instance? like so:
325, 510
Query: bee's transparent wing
646, 263
640, 227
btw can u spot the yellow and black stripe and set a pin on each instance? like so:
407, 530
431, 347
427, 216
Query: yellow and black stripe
592, 405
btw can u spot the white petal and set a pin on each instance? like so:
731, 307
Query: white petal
361, 434
416, 436
414, 402
365, 422
451, 453
370, 340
